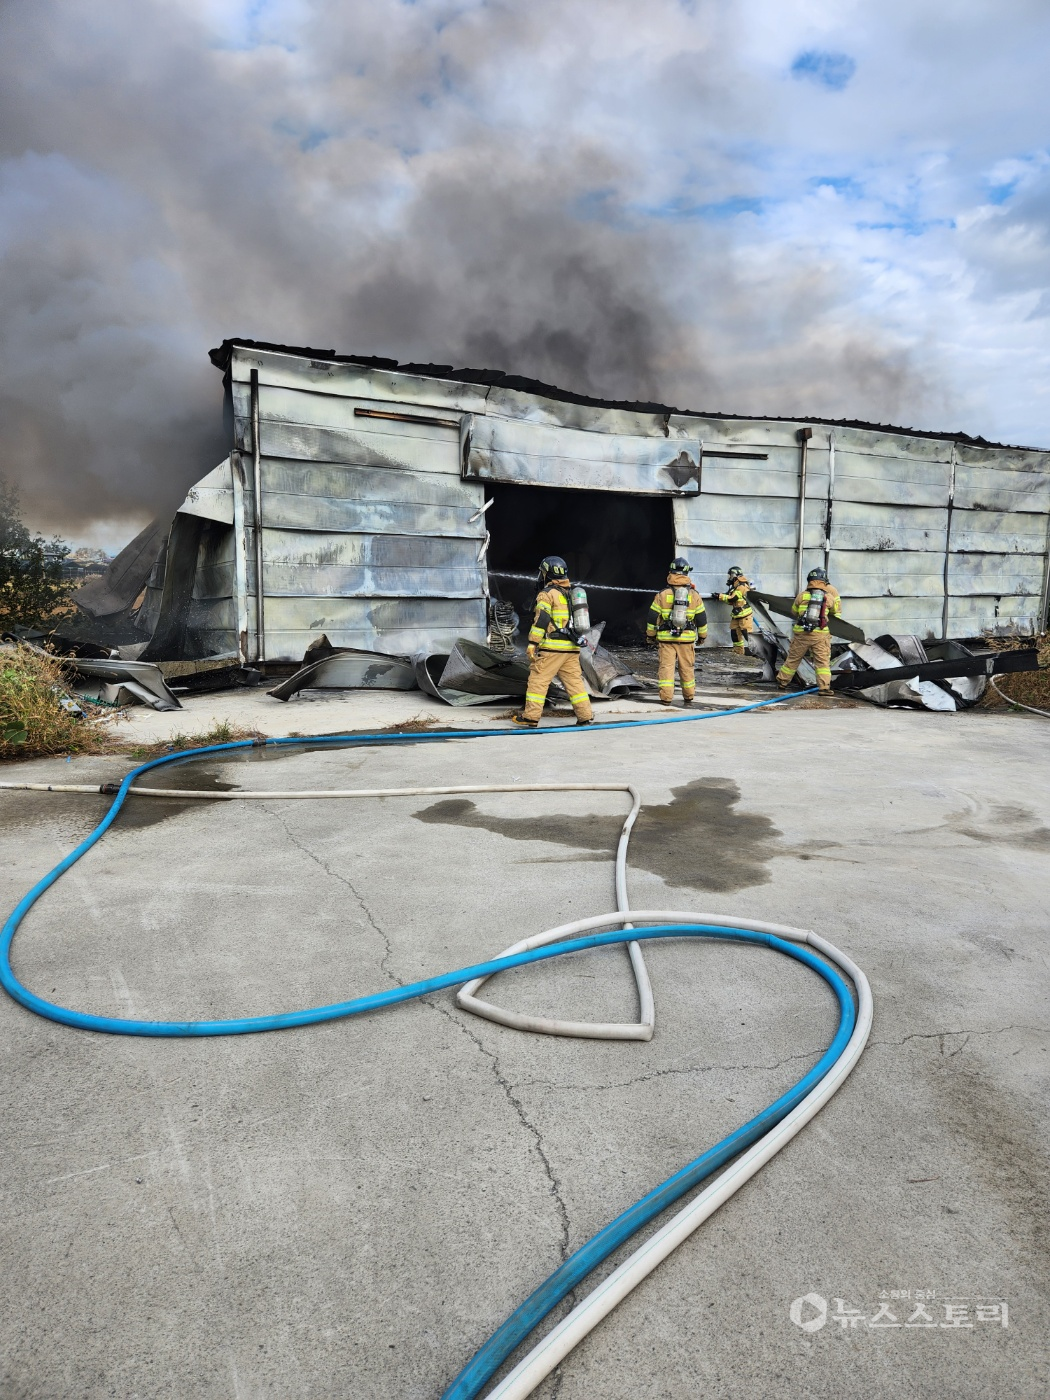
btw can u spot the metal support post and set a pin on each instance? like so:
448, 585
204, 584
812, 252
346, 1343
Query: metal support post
260, 618
803, 435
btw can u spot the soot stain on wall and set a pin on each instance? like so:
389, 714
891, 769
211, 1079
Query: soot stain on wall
699, 840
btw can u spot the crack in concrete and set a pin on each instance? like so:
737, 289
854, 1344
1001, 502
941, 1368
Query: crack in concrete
512, 1098
554, 1186
384, 962
942, 1036
670, 1070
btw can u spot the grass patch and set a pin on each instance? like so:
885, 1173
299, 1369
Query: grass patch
33, 720
222, 732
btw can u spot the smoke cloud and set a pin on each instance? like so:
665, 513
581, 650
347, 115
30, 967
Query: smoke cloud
672, 202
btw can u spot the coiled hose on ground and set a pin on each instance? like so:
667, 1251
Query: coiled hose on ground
742, 1153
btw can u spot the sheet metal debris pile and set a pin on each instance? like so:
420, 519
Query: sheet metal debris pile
897, 669
471, 674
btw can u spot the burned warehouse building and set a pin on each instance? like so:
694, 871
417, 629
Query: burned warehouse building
398, 508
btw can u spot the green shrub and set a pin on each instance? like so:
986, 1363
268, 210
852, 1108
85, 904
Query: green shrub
33, 591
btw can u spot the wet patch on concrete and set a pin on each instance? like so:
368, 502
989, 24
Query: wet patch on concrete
140, 812
1008, 824
75, 813
699, 840
1004, 1136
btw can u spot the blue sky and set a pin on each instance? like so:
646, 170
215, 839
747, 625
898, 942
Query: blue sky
811, 207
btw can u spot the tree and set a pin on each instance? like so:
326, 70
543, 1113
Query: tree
33, 591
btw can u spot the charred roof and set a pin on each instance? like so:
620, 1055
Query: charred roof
491, 378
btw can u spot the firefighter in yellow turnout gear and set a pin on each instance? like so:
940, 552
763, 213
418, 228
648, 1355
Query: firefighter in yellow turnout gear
817, 602
742, 620
554, 647
677, 621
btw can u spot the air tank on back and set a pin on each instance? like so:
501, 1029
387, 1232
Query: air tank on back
680, 610
581, 613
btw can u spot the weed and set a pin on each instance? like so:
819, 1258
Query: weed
33, 719
222, 732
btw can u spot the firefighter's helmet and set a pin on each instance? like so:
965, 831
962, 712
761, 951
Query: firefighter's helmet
680, 566
551, 568
816, 576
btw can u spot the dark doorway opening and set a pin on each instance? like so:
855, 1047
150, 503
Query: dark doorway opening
605, 538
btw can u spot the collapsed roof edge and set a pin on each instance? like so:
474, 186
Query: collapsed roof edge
489, 378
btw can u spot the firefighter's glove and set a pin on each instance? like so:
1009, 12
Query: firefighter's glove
530, 651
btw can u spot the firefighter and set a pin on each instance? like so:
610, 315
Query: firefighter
677, 621
814, 606
554, 647
741, 622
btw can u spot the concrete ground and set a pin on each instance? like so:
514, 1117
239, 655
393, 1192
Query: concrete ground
340, 711
349, 1210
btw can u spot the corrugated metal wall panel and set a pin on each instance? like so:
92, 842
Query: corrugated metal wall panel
518, 406
367, 500
998, 532
752, 434
749, 522
897, 481
861, 525
393, 625
322, 427
534, 454
872, 442
1014, 470
921, 616
984, 487
907, 573
330, 581
333, 411
370, 517
211, 498
970, 617
291, 371
777, 477
365, 485
390, 522
772, 570
350, 445
1014, 575
301, 563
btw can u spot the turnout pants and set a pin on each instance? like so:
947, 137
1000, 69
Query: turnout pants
683, 656
739, 628
818, 644
566, 666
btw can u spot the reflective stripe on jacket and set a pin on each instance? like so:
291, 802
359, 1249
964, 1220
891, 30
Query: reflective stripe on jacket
659, 624
549, 630
737, 598
801, 603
